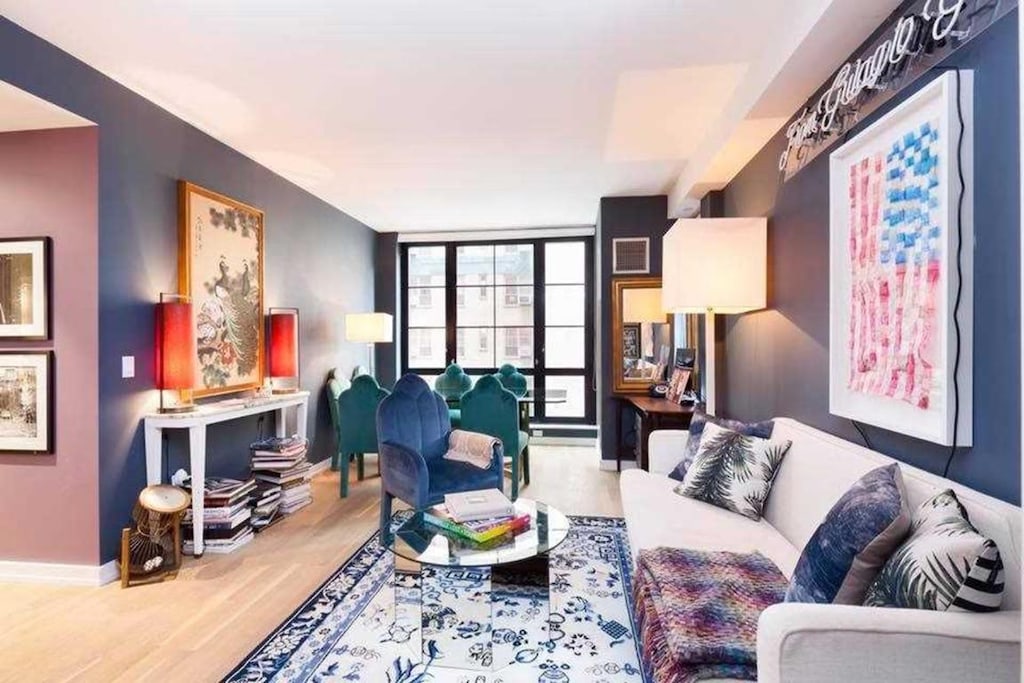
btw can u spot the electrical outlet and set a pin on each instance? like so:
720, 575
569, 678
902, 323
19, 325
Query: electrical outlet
127, 367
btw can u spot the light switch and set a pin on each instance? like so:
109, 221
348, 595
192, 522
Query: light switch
127, 367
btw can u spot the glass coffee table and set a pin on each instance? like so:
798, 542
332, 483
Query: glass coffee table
449, 597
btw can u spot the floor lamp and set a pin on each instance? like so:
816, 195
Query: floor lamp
714, 266
369, 328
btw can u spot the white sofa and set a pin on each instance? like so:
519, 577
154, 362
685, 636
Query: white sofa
801, 642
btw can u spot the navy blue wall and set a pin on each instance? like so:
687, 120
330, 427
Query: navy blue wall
385, 290
777, 360
318, 259
623, 217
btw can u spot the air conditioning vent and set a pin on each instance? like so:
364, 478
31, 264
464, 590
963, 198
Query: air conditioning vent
631, 256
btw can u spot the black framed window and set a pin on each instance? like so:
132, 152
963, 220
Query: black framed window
487, 304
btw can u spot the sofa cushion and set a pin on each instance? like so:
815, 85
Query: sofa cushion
820, 467
761, 430
733, 471
944, 565
858, 535
656, 517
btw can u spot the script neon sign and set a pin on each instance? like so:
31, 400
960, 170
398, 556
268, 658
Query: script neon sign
937, 21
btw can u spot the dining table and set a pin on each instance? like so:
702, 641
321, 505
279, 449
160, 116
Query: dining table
531, 398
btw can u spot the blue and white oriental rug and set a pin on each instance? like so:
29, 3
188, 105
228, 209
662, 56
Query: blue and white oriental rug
462, 631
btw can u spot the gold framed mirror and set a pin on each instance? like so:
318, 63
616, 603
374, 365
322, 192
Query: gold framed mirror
643, 342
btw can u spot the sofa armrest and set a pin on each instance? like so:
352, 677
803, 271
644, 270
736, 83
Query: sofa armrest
665, 449
802, 642
404, 474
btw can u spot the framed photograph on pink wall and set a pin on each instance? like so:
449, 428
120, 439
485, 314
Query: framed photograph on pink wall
900, 346
26, 402
25, 288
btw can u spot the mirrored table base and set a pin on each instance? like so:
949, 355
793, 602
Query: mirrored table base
471, 618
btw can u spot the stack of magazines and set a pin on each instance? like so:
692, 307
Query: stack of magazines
266, 505
226, 515
280, 465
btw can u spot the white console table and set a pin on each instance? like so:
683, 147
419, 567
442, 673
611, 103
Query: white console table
197, 421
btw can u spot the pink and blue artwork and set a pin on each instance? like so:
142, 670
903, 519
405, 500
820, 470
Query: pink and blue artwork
895, 260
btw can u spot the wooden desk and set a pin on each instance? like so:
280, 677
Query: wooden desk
655, 413
197, 421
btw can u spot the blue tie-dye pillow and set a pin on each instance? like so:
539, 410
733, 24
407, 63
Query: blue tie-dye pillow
850, 547
762, 430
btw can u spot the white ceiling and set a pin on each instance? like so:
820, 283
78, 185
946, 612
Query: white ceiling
462, 114
20, 110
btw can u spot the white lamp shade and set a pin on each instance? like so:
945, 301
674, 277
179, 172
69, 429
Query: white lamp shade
642, 306
369, 328
715, 263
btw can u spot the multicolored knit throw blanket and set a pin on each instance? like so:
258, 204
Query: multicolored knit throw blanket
697, 611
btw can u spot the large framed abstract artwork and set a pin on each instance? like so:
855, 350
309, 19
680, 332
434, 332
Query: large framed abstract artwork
901, 262
220, 267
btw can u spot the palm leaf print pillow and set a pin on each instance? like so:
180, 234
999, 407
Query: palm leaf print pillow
733, 471
944, 565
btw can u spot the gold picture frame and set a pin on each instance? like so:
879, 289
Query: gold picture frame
220, 268
640, 384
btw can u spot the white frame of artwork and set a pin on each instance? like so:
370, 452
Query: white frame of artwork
937, 100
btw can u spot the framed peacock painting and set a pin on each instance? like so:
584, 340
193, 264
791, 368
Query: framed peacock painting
220, 267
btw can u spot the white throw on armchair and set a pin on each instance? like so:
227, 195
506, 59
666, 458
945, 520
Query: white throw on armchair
804, 642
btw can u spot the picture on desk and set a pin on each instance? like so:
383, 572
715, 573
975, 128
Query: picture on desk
678, 384
26, 402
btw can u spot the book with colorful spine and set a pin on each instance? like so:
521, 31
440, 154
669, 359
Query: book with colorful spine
478, 531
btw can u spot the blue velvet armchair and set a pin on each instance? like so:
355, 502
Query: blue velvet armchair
412, 433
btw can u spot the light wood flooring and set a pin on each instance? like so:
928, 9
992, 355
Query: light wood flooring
198, 626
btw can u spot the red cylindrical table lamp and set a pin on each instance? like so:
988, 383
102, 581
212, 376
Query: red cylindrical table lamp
283, 339
175, 351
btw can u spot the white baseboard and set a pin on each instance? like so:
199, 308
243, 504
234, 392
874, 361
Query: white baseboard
59, 574
609, 465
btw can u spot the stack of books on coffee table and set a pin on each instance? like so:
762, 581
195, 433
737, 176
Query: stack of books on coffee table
478, 520
280, 465
226, 515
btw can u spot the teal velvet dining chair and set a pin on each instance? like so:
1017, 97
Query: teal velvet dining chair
512, 379
357, 420
515, 381
452, 385
489, 408
335, 385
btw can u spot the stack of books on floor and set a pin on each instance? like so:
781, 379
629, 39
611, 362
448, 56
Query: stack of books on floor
478, 520
280, 465
226, 515
266, 505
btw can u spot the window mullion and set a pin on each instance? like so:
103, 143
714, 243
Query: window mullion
450, 305
539, 333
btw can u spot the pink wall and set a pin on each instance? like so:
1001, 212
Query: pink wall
49, 504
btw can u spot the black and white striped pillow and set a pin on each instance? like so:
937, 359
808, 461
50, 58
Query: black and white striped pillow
982, 591
945, 564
